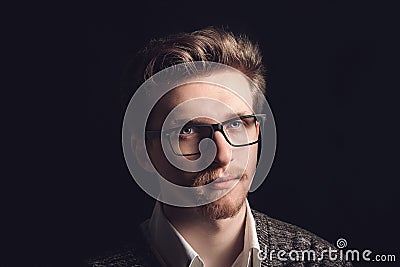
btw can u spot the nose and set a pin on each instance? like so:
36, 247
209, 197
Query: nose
224, 150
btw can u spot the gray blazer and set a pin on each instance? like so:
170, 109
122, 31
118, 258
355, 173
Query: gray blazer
273, 235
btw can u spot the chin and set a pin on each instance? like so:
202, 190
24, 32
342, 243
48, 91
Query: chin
227, 206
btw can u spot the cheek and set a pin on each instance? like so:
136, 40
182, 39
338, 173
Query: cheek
246, 156
157, 157
165, 168
252, 161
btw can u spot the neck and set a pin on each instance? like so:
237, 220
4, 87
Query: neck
210, 238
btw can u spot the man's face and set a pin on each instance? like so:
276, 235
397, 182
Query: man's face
232, 168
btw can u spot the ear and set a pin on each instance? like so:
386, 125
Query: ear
139, 150
258, 128
259, 143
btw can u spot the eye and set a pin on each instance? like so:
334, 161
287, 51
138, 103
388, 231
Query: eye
187, 130
236, 124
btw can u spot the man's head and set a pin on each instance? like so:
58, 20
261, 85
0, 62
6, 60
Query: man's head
202, 108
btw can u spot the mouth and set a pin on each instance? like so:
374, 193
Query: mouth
222, 183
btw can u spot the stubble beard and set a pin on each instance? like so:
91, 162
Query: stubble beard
225, 207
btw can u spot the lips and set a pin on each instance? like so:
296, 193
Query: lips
224, 179
217, 180
224, 183
220, 179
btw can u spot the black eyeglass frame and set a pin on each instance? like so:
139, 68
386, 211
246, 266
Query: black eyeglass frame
214, 127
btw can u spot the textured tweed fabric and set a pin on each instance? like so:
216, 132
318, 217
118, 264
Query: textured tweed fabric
273, 235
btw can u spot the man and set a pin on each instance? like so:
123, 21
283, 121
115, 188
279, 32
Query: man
202, 86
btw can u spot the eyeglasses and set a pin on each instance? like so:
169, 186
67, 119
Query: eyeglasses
238, 132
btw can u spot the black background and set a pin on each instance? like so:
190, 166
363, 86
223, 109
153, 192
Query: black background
332, 87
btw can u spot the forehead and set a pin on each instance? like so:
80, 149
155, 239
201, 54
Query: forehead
227, 87
218, 96
190, 92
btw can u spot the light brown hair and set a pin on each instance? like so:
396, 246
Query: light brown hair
208, 44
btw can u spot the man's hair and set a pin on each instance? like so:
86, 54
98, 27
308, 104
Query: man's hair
208, 44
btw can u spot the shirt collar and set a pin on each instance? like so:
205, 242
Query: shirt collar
176, 251
165, 239
248, 256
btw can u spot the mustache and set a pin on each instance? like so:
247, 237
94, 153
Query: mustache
210, 174
205, 177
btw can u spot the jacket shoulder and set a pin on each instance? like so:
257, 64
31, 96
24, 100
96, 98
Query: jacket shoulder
137, 253
277, 235
285, 234
122, 257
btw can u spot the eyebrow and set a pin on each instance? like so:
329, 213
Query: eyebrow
200, 120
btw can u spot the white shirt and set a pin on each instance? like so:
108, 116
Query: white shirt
174, 250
